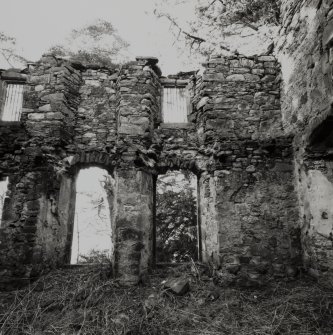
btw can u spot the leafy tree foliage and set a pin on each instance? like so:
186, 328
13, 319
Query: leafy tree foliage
176, 226
214, 20
98, 43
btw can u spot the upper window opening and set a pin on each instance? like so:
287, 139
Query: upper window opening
176, 104
12, 101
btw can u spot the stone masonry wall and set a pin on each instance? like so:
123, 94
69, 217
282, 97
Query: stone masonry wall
239, 97
90, 131
249, 213
305, 52
77, 116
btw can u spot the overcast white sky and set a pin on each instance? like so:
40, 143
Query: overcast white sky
39, 24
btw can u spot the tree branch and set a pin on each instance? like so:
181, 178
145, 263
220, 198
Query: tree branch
7, 58
195, 39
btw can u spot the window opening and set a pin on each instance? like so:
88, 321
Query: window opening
176, 217
13, 101
92, 222
175, 104
3, 193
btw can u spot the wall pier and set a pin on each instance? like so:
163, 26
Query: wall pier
31, 232
133, 219
208, 218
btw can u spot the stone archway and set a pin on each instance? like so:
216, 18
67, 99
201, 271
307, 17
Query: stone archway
92, 233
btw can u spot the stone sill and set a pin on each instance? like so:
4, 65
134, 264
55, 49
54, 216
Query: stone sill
185, 125
10, 123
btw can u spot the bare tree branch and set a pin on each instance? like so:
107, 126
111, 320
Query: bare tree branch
216, 19
195, 39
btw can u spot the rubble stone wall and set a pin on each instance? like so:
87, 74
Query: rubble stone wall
77, 116
250, 215
305, 52
239, 98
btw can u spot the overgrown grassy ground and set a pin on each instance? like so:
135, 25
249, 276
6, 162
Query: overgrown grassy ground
86, 301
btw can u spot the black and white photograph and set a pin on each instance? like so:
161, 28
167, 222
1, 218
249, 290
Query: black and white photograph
166, 167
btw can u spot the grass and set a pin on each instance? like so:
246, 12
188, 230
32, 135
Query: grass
85, 300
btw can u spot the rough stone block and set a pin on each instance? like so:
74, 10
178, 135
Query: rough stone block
45, 108
36, 116
266, 59
235, 77
178, 286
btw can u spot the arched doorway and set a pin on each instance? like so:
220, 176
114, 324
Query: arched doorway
92, 233
176, 219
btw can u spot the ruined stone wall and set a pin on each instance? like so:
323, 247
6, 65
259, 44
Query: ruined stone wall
239, 98
235, 144
31, 234
303, 53
249, 212
76, 116
73, 117
304, 50
96, 117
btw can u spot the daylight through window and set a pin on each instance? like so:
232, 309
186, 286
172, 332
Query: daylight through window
176, 105
12, 102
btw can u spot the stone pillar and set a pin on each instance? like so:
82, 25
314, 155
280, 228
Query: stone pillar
18, 229
209, 225
66, 214
138, 99
50, 101
133, 220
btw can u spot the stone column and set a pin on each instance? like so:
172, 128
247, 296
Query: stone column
133, 220
139, 94
66, 215
50, 102
209, 225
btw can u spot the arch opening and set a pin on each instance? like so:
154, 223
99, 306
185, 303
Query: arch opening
176, 228
321, 138
92, 230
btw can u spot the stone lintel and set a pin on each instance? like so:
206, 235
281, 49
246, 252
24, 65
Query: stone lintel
13, 75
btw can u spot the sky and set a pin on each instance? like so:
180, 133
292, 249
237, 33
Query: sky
39, 24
